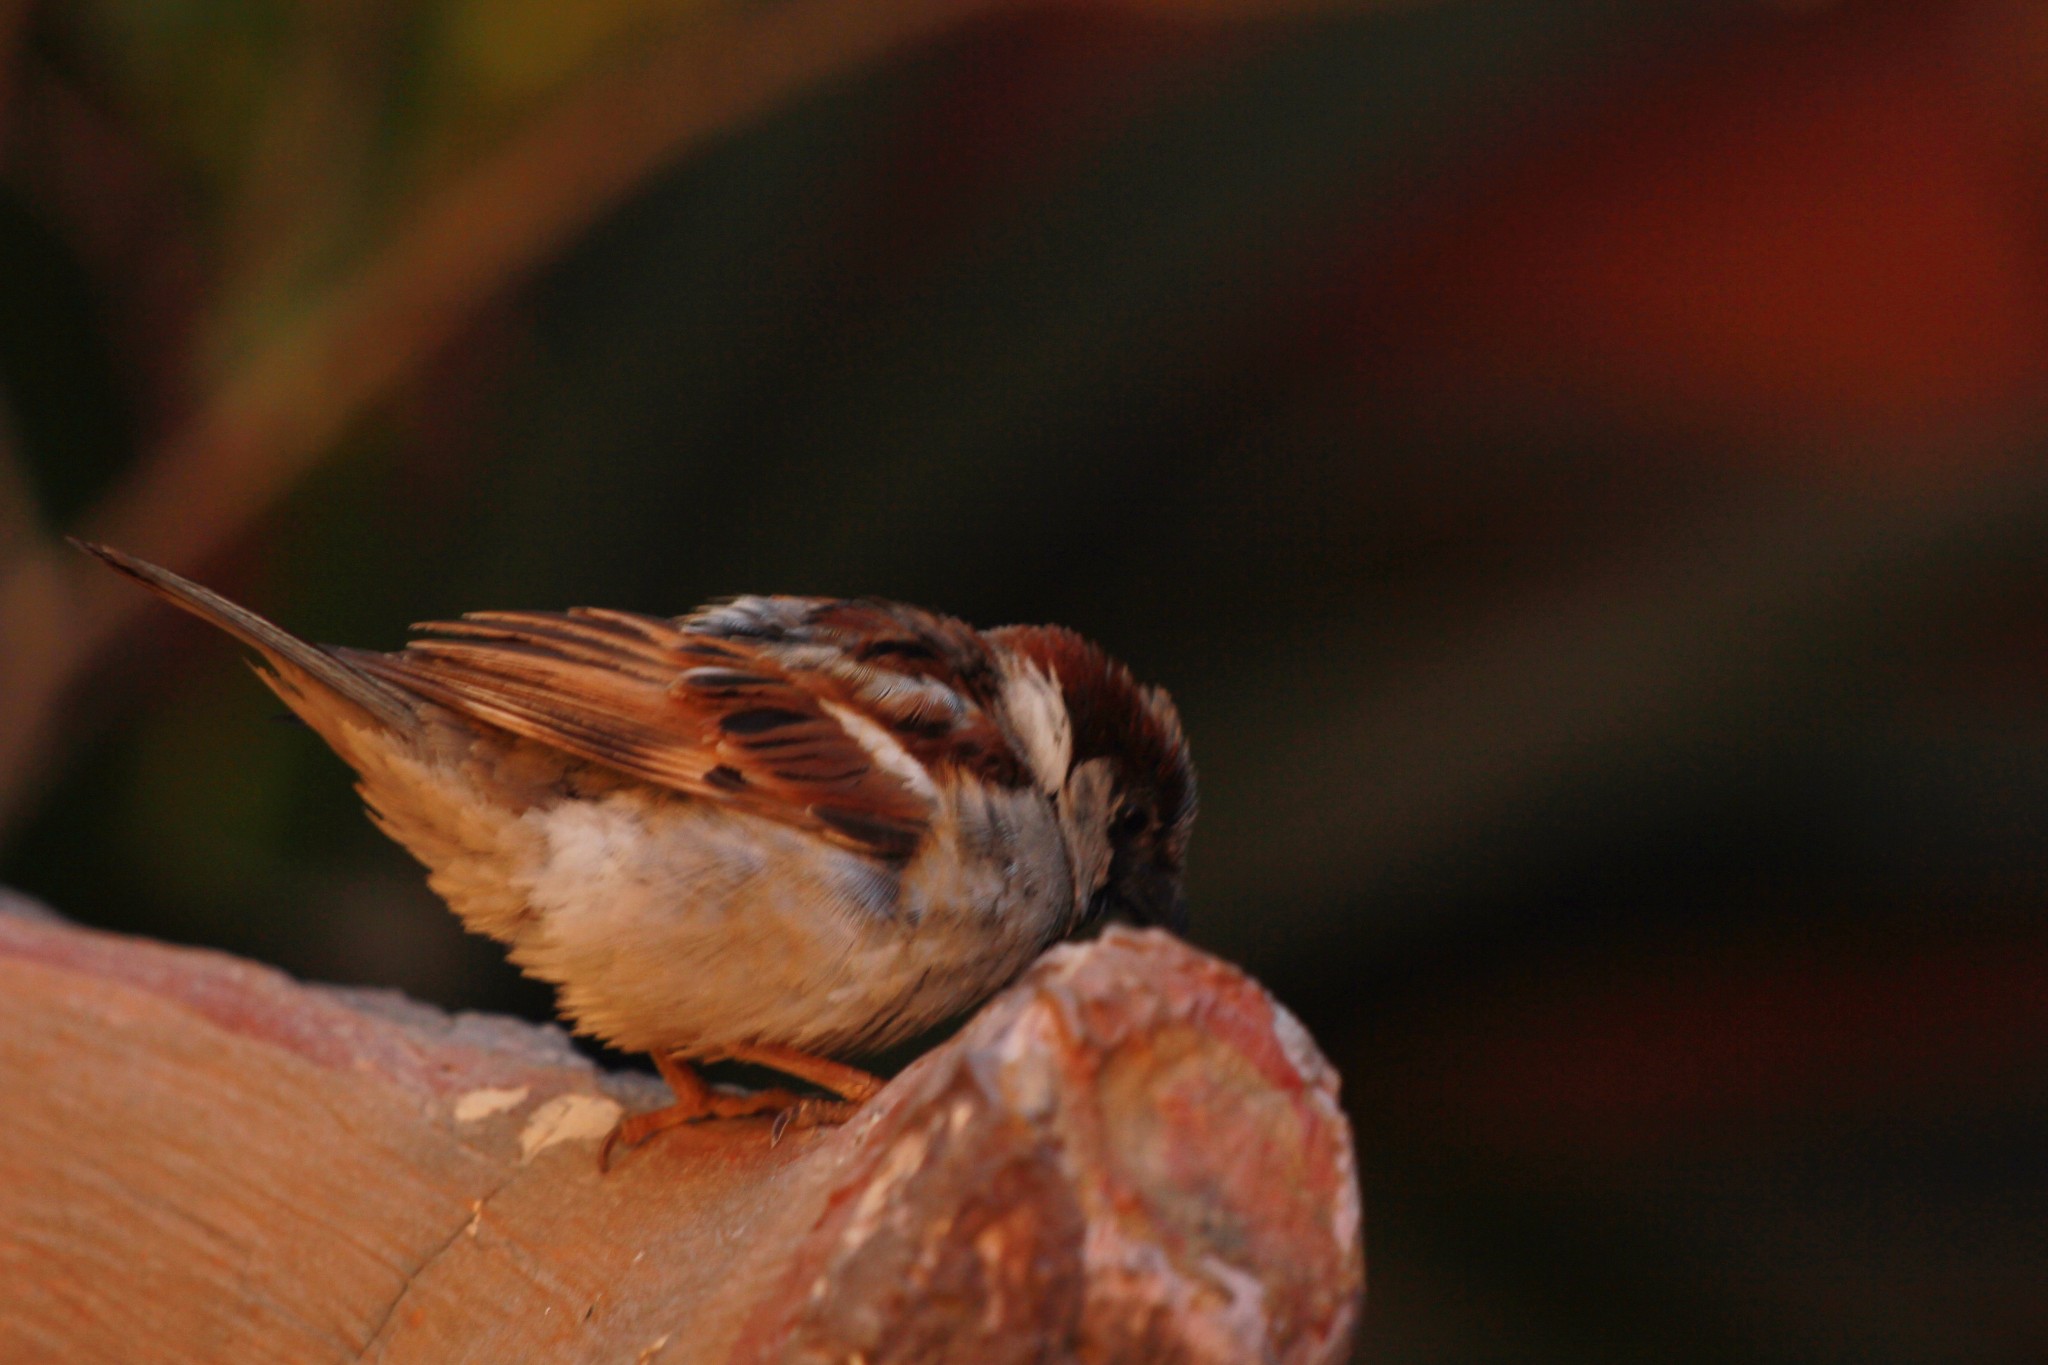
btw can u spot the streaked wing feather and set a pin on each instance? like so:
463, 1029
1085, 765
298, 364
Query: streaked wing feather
715, 718
562, 644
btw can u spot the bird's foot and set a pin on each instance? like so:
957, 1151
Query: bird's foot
695, 1100
810, 1113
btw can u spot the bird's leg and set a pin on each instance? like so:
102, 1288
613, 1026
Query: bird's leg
847, 1082
696, 1100
854, 1086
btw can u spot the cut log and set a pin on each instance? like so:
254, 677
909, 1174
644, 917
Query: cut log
1133, 1154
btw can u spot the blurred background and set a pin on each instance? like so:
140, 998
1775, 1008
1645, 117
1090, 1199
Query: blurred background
1579, 466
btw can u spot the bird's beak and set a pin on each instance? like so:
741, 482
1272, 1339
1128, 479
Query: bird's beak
1154, 896
1174, 916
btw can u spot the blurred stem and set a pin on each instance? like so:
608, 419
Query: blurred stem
276, 413
305, 169
273, 414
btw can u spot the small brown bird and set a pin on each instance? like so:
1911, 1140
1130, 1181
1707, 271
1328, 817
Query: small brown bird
778, 830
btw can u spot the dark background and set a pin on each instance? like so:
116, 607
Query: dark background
1577, 465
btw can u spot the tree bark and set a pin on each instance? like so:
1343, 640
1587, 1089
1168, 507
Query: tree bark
1131, 1155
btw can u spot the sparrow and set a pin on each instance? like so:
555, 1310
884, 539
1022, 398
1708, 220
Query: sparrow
785, 831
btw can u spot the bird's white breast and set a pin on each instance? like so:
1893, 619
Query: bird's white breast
671, 923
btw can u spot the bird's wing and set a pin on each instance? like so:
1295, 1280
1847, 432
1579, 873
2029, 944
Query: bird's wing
742, 719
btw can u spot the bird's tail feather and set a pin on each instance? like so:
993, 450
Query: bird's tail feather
293, 658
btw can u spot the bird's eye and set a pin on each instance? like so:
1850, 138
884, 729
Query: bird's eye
1128, 822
